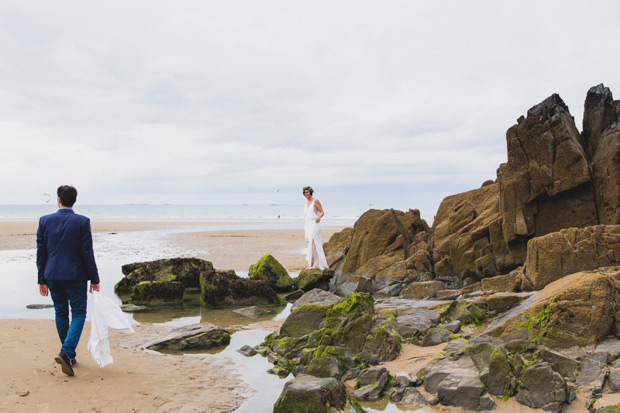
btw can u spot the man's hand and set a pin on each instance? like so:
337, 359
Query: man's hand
94, 287
43, 290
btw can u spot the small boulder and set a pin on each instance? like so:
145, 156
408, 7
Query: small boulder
315, 296
328, 366
377, 375
269, 269
247, 351
252, 312
309, 279
304, 320
436, 335
542, 388
412, 397
322, 395
368, 393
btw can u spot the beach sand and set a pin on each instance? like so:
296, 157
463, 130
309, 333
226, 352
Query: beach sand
142, 381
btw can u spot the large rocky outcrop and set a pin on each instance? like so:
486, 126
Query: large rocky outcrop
386, 250
601, 139
545, 185
571, 250
554, 178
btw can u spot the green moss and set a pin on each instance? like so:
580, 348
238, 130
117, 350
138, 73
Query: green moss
536, 325
327, 351
498, 354
355, 304
267, 268
466, 312
314, 308
356, 405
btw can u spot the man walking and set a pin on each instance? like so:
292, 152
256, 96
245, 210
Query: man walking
65, 263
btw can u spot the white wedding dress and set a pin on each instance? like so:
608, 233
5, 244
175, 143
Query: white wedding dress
314, 253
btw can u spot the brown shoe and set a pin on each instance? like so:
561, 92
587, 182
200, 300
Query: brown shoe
65, 363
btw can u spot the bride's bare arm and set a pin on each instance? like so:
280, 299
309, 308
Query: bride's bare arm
319, 209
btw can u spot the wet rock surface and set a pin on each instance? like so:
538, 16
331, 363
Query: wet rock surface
193, 337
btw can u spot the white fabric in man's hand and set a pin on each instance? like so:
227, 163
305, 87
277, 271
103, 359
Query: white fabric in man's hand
104, 313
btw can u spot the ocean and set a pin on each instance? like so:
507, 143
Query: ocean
151, 212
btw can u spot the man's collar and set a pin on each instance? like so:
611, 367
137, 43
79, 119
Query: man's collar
65, 209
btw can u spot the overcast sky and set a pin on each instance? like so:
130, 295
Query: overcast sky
391, 103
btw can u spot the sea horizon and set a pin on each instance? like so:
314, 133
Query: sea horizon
195, 212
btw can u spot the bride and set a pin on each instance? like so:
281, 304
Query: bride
313, 212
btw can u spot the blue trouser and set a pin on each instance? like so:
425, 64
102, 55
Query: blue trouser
67, 294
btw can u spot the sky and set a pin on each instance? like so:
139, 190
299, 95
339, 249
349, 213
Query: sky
384, 103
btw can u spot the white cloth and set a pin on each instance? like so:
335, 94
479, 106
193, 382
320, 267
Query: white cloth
104, 313
313, 236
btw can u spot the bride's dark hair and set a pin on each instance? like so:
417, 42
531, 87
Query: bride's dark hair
309, 188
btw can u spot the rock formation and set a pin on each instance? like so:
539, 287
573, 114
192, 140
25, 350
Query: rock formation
555, 178
385, 251
165, 281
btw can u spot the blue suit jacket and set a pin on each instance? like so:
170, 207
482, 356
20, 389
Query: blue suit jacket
65, 248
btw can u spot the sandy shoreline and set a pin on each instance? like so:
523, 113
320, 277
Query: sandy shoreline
229, 249
137, 381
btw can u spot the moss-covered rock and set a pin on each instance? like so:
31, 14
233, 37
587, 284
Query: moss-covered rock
501, 380
542, 388
184, 270
289, 347
347, 324
383, 345
193, 337
579, 309
304, 320
225, 288
157, 293
310, 279
328, 366
464, 311
270, 270
310, 394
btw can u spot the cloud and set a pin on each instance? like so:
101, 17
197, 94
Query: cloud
406, 102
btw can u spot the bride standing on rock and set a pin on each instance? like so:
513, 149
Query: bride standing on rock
313, 212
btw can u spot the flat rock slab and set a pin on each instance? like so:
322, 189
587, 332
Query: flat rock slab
193, 337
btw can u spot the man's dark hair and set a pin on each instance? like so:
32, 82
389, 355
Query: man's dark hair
67, 195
